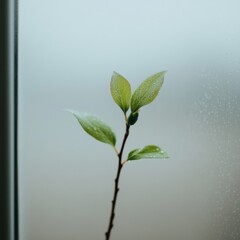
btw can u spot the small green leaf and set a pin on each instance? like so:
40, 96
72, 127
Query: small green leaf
121, 91
96, 128
150, 151
132, 153
147, 91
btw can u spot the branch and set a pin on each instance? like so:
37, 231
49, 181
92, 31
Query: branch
116, 188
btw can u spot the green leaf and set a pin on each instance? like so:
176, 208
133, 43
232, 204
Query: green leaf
150, 151
147, 91
96, 128
121, 91
132, 153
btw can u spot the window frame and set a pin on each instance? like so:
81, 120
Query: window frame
8, 126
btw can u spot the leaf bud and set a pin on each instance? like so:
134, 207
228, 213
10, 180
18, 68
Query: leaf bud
132, 119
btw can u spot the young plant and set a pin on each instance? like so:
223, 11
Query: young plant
121, 94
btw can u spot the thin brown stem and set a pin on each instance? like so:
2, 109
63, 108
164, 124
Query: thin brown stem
116, 187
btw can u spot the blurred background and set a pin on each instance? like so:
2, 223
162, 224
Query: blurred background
67, 53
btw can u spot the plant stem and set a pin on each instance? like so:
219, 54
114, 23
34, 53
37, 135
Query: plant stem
116, 188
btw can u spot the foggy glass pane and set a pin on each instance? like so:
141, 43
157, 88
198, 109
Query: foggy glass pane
67, 53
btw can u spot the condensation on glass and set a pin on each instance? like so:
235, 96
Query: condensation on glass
67, 53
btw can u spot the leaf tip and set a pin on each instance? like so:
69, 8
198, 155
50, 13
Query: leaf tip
70, 111
114, 73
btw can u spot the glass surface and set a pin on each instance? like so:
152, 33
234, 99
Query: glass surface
67, 53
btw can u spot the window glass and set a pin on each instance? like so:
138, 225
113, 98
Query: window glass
67, 53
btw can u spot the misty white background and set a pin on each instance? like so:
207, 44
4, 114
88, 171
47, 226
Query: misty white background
67, 53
